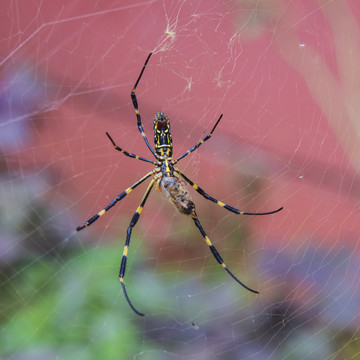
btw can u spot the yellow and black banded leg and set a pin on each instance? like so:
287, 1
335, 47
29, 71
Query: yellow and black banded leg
136, 107
207, 137
117, 199
217, 255
129, 154
225, 206
133, 222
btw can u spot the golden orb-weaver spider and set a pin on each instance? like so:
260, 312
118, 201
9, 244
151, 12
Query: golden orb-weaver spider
167, 178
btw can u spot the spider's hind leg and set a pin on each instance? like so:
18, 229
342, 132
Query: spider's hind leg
133, 222
217, 255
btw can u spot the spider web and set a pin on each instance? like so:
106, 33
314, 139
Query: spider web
285, 75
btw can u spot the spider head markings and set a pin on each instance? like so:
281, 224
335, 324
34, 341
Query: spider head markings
162, 135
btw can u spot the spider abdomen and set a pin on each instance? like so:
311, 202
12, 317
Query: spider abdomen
176, 192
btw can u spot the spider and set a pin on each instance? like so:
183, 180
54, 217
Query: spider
168, 179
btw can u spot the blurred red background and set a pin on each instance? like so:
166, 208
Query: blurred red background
279, 81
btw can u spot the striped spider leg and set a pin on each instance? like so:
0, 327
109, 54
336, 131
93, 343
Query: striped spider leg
133, 222
212, 248
217, 202
115, 201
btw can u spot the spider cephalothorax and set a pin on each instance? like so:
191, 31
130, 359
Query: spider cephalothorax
171, 181
162, 135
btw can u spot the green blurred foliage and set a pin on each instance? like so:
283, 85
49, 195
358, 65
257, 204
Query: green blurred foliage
73, 309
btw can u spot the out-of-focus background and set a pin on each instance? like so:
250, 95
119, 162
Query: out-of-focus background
286, 76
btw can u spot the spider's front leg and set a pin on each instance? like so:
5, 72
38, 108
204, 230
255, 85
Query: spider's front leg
136, 107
